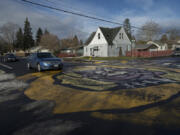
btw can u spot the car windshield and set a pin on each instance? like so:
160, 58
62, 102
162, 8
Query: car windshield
45, 55
10, 55
177, 49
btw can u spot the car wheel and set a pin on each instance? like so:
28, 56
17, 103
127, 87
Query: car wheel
38, 67
61, 67
28, 66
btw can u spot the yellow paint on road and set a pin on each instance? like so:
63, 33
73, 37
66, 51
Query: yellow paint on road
72, 100
165, 115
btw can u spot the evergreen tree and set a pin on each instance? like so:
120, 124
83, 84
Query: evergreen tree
81, 42
46, 31
127, 27
75, 41
164, 38
19, 39
38, 36
173, 33
28, 38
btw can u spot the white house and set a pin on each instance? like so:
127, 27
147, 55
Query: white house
175, 44
108, 42
159, 46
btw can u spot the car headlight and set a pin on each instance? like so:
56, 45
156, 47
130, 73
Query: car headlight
46, 63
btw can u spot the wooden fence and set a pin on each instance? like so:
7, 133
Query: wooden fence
149, 54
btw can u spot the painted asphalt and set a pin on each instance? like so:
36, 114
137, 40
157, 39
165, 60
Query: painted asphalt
126, 78
20, 115
132, 74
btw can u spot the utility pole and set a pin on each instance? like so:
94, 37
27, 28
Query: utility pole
132, 42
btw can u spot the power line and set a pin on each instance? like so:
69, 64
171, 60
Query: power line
80, 14
70, 12
64, 4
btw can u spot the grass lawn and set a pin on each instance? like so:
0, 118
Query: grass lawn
105, 58
100, 58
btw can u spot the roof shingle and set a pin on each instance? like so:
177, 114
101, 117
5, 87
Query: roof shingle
90, 38
110, 33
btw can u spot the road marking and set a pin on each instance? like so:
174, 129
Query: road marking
6, 66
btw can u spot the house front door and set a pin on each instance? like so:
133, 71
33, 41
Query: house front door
91, 52
120, 51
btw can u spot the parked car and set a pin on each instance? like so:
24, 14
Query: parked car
9, 57
176, 52
44, 61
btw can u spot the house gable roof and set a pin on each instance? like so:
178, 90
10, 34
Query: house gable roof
159, 43
90, 38
142, 47
110, 33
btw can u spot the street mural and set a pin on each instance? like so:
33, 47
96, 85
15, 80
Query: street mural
110, 78
135, 92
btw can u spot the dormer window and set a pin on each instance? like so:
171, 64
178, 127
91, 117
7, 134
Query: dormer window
99, 36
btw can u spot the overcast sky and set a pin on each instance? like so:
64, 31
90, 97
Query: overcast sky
164, 12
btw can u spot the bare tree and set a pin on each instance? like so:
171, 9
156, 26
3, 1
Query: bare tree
149, 31
8, 32
66, 43
4, 47
50, 41
173, 33
70, 42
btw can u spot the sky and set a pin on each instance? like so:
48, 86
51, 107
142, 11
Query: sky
163, 12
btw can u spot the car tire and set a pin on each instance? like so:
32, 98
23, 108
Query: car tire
61, 67
28, 66
39, 68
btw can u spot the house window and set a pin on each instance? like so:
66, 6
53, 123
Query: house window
121, 35
96, 48
99, 35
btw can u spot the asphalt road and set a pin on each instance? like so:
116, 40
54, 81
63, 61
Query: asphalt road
19, 67
20, 115
17, 111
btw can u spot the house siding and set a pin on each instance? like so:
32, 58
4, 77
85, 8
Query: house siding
105, 50
100, 43
124, 44
113, 51
159, 47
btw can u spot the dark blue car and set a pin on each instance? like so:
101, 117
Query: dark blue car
10, 57
44, 61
